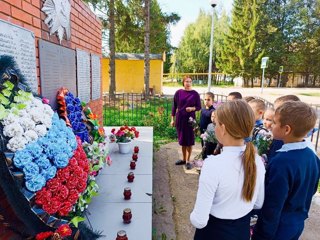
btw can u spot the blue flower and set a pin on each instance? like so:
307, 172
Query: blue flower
71, 116
78, 115
43, 162
49, 173
61, 160
82, 126
22, 158
69, 94
68, 99
36, 183
34, 149
70, 108
30, 170
77, 101
77, 108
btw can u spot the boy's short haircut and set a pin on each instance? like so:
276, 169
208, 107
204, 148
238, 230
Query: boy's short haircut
261, 106
236, 95
210, 94
248, 98
298, 115
287, 98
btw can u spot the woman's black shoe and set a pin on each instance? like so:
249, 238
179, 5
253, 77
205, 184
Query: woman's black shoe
180, 162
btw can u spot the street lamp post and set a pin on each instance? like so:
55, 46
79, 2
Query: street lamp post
213, 3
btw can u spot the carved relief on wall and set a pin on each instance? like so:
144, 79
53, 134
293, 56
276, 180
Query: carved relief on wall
58, 17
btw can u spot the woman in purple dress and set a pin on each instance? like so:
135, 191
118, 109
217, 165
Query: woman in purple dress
185, 103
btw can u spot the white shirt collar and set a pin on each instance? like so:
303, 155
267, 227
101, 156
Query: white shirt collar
234, 148
293, 146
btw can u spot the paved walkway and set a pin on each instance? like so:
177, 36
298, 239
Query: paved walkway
175, 193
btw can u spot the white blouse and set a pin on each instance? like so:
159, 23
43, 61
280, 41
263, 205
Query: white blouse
220, 188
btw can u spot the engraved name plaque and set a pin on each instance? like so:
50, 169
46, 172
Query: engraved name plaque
19, 43
96, 77
83, 75
57, 69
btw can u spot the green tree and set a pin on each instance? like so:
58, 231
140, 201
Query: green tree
193, 50
289, 34
239, 55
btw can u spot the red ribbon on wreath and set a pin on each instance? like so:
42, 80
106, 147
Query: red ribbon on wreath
62, 105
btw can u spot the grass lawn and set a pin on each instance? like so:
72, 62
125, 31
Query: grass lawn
310, 94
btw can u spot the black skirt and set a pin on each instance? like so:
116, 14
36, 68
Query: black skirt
222, 229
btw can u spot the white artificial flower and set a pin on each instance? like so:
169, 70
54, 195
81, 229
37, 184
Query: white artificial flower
35, 115
13, 129
47, 110
11, 118
27, 123
41, 130
36, 102
16, 143
47, 122
31, 135
23, 113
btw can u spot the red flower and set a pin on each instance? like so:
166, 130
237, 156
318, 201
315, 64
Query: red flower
64, 230
52, 206
63, 192
43, 196
43, 235
65, 208
63, 174
81, 186
53, 185
73, 161
72, 183
113, 130
77, 171
73, 196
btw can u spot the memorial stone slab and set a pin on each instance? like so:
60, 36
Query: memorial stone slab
96, 77
57, 69
19, 43
83, 75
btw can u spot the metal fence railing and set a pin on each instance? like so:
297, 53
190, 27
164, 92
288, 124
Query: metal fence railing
135, 109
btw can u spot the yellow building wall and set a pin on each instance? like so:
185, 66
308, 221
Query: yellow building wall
130, 75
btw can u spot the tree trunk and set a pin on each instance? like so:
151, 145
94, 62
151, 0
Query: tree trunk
307, 80
112, 46
278, 79
252, 82
147, 48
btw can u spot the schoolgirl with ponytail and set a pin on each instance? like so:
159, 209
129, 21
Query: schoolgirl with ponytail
231, 184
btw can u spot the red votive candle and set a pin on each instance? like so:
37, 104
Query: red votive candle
130, 177
122, 235
135, 157
133, 165
136, 149
127, 193
127, 215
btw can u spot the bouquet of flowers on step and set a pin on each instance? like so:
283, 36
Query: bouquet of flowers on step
262, 139
124, 134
